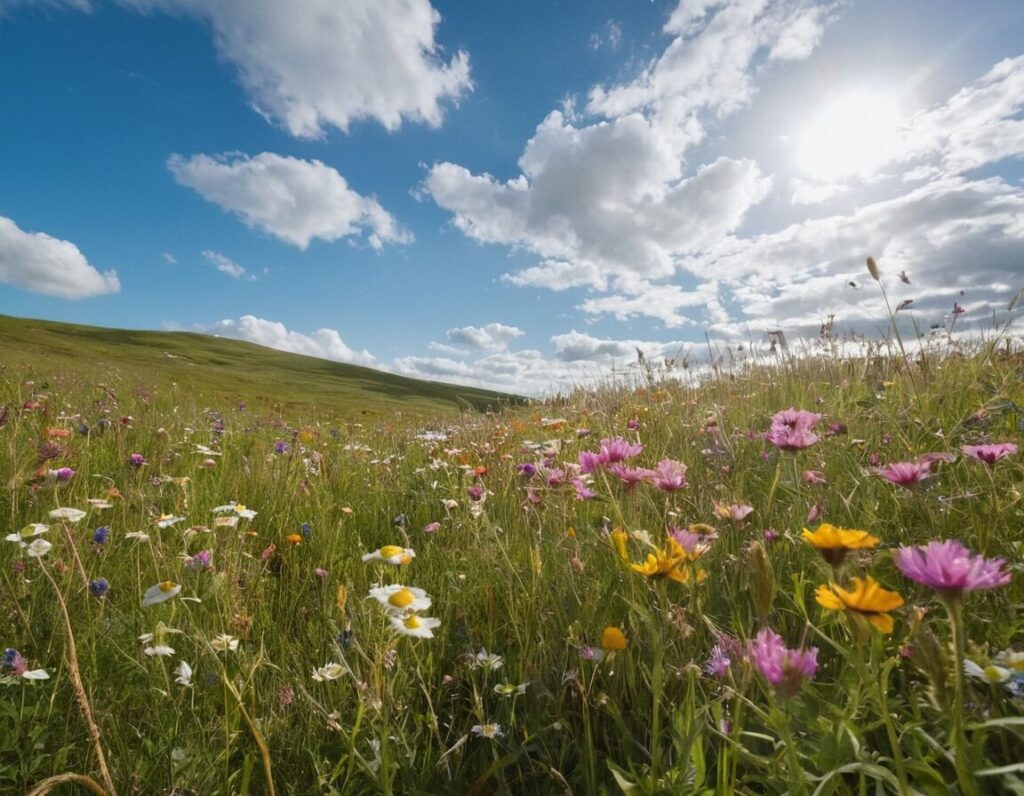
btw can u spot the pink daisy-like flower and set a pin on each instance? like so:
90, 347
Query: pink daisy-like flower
630, 476
791, 429
907, 474
814, 477
950, 568
617, 449
719, 662
990, 454
583, 492
785, 669
668, 475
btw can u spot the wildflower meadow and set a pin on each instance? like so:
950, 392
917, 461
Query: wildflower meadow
794, 577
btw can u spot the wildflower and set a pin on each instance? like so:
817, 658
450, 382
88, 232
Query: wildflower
159, 650
589, 653
958, 308
867, 598
791, 429
306, 530
392, 554
139, 536
280, 447
475, 492
814, 477
612, 639
834, 543
487, 730
136, 460
99, 587
416, 626
526, 469
737, 512
989, 454
488, 660
432, 527
64, 474
950, 568
238, 509
161, 592
510, 689
167, 520
101, 534
617, 449
630, 476
583, 492
267, 551
39, 548
184, 674
907, 474
14, 663
68, 515
293, 538
695, 544
991, 674
28, 532
785, 669
719, 662
199, 561
666, 562
771, 535
330, 671
814, 513
588, 462
224, 643
668, 475
399, 599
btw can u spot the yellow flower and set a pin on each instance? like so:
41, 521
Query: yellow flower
619, 540
612, 639
834, 543
867, 598
665, 562
293, 538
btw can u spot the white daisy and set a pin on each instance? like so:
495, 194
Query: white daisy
416, 626
69, 515
167, 520
184, 672
400, 599
331, 671
160, 593
487, 730
488, 660
161, 650
392, 554
225, 643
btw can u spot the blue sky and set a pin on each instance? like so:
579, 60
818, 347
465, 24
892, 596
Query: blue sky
515, 195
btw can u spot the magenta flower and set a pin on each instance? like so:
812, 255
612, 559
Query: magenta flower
556, 477
475, 492
719, 662
630, 476
950, 568
814, 477
617, 449
669, 475
791, 429
907, 474
785, 669
136, 460
527, 469
693, 543
589, 461
583, 492
989, 454
64, 474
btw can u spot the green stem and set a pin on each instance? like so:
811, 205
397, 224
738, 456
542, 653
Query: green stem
795, 770
957, 734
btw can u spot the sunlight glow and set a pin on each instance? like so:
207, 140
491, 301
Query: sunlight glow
850, 137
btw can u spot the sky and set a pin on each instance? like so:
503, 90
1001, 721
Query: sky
516, 195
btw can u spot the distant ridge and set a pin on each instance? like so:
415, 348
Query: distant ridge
224, 368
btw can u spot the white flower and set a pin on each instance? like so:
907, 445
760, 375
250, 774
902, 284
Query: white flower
991, 674
70, 515
331, 671
392, 554
167, 520
487, 730
184, 672
99, 503
450, 504
400, 599
225, 643
488, 660
412, 625
202, 449
508, 689
237, 509
28, 532
39, 548
141, 536
160, 593
145, 638
36, 674
159, 650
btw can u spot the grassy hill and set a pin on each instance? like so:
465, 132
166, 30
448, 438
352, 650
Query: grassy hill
218, 368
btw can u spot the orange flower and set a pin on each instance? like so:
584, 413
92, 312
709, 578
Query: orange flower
612, 639
479, 470
293, 538
834, 543
867, 598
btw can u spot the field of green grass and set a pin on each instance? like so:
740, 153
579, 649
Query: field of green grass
618, 593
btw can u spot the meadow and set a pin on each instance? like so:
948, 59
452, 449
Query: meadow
793, 577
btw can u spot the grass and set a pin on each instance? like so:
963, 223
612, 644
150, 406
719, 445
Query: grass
524, 582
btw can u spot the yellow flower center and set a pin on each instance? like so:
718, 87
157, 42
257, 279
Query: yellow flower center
167, 585
389, 551
402, 598
412, 622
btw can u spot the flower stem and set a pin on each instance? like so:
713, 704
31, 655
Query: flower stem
957, 734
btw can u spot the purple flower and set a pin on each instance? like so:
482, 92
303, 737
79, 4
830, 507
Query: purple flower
65, 474
630, 476
950, 568
617, 449
14, 662
668, 475
583, 492
99, 587
136, 460
582, 432
199, 561
719, 662
101, 534
737, 512
989, 454
688, 540
907, 474
814, 477
280, 446
589, 461
432, 527
475, 492
785, 669
320, 572
958, 308
771, 535
527, 469
556, 477
791, 429
633, 424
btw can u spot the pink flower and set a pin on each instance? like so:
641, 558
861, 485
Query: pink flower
617, 449
814, 477
989, 453
907, 474
814, 513
791, 429
589, 461
583, 492
693, 543
719, 662
630, 476
785, 669
669, 475
950, 568
737, 512
556, 477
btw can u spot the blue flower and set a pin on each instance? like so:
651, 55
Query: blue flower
306, 529
99, 587
100, 537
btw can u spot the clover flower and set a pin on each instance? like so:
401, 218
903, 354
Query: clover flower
950, 568
785, 669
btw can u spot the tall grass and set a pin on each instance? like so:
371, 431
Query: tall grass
529, 573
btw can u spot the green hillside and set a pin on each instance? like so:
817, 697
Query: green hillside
219, 368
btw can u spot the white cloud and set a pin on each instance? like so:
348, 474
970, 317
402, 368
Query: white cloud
579, 347
169, 258
294, 200
663, 302
323, 343
36, 262
306, 64
493, 336
609, 35
226, 265
559, 275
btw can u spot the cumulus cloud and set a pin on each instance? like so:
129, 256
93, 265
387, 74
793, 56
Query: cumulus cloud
36, 262
494, 336
226, 265
579, 347
294, 200
307, 64
323, 343
664, 302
